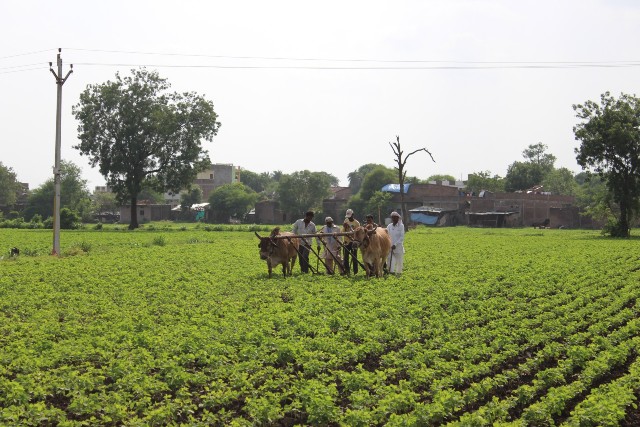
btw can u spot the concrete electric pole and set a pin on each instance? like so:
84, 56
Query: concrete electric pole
56, 169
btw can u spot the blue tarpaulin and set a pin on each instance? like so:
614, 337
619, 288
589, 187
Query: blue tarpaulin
395, 188
423, 218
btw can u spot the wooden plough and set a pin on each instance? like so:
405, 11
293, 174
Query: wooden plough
320, 237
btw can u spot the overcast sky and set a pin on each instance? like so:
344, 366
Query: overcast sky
326, 86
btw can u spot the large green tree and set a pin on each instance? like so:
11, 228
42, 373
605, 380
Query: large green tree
356, 178
609, 136
9, 186
373, 181
232, 201
304, 190
137, 132
530, 172
560, 181
74, 194
263, 182
441, 177
483, 180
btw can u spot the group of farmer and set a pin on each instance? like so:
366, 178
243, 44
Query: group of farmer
332, 244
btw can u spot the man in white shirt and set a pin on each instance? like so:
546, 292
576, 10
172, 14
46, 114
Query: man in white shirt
331, 246
305, 226
396, 255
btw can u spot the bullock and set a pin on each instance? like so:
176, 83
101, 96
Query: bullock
375, 244
279, 251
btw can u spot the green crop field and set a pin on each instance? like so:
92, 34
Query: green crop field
170, 326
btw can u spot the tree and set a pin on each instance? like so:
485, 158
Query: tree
483, 180
104, 203
9, 186
402, 174
304, 190
74, 194
263, 182
138, 133
560, 181
232, 201
149, 194
609, 138
441, 177
536, 154
356, 178
379, 202
190, 198
593, 197
524, 175
375, 180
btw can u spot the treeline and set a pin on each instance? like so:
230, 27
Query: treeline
295, 192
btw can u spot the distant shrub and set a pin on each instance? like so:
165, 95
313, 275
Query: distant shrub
159, 241
69, 220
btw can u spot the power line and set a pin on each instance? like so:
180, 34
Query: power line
25, 54
26, 69
488, 66
280, 58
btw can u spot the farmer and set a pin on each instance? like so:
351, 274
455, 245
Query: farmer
350, 252
370, 225
396, 255
305, 226
331, 246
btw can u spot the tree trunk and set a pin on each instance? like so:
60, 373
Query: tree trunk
622, 229
133, 223
403, 206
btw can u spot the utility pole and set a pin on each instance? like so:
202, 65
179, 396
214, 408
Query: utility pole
56, 169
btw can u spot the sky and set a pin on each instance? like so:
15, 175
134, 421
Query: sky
325, 86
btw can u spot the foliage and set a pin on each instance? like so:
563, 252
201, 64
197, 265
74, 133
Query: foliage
190, 198
524, 175
104, 202
478, 181
593, 198
149, 194
69, 219
232, 201
138, 133
442, 177
609, 136
9, 186
373, 181
536, 154
379, 204
377, 178
560, 181
264, 182
74, 194
356, 178
303, 190
516, 328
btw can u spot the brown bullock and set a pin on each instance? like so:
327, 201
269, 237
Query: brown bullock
375, 245
278, 251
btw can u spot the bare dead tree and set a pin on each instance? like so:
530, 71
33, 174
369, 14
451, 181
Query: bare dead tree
402, 173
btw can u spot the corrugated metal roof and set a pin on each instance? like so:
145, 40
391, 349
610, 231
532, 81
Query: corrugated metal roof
489, 213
